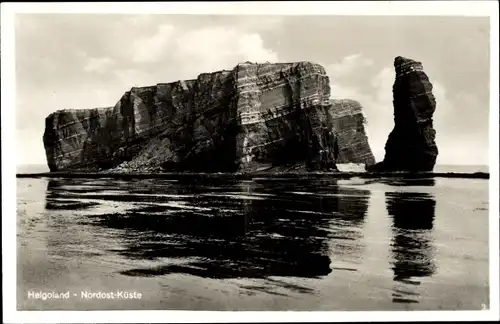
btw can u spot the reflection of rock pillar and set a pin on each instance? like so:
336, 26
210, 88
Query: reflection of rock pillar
246, 152
412, 246
247, 208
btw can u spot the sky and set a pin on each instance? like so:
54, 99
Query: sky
67, 61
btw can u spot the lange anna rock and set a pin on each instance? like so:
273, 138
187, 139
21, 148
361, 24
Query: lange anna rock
411, 145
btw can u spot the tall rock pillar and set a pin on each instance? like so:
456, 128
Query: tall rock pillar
411, 145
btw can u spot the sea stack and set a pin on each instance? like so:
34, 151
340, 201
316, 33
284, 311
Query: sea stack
411, 145
253, 117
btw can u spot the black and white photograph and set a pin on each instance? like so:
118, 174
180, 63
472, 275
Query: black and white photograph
312, 157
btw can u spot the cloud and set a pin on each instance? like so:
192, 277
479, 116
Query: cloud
382, 83
134, 77
151, 49
349, 64
217, 48
98, 65
224, 36
174, 54
460, 140
379, 110
348, 75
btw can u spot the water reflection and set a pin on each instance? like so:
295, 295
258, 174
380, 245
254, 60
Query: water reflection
222, 228
404, 182
412, 243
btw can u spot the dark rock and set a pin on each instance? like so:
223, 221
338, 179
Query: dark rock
253, 117
411, 145
349, 124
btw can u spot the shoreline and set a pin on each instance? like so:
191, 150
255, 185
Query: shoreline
251, 175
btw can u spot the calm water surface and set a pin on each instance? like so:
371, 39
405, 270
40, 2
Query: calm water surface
265, 244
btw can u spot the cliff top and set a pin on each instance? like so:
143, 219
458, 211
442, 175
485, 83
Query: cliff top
243, 64
404, 66
399, 60
78, 110
204, 75
403, 63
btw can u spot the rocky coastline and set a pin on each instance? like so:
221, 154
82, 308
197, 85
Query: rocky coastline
273, 117
252, 117
256, 175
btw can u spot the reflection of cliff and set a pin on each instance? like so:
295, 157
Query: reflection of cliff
346, 248
65, 206
412, 244
227, 229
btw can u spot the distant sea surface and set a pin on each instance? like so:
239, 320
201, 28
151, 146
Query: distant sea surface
40, 168
264, 244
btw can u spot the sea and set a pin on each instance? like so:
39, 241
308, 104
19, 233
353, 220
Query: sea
268, 243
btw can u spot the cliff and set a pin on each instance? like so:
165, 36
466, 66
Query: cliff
411, 145
252, 117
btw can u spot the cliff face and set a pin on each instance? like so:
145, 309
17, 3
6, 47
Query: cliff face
411, 145
349, 123
252, 117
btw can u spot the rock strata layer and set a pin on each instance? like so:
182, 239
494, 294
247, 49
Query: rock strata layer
411, 145
253, 117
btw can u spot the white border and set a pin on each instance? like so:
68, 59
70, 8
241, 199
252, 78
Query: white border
494, 164
436, 8
369, 8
